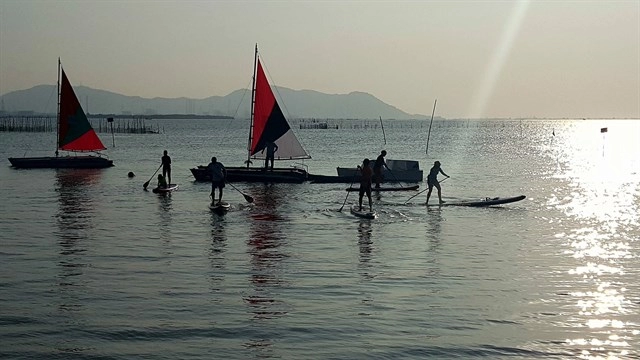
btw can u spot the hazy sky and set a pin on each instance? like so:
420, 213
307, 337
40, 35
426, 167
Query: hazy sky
478, 58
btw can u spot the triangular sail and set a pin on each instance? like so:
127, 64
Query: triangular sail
270, 125
74, 130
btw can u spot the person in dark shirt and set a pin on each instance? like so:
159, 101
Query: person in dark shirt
365, 182
377, 168
271, 152
162, 183
218, 175
166, 167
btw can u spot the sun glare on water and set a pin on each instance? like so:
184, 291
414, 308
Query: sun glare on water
599, 165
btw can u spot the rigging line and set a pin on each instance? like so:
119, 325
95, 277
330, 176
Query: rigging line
227, 133
431, 123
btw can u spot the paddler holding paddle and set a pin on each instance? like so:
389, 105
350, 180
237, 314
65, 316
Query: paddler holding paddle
218, 175
432, 180
377, 167
365, 183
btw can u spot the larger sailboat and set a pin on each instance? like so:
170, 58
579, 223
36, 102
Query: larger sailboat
268, 124
75, 134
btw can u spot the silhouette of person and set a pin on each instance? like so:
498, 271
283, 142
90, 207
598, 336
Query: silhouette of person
377, 167
218, 176
432, 180
271, 151
166, 167
365, 183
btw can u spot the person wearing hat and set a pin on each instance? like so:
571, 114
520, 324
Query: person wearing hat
432, 180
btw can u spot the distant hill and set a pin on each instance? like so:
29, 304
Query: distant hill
42, 99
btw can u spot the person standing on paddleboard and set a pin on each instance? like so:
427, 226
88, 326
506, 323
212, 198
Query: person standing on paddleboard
377, 167
166, 167
365, 183
432, 180
218, 175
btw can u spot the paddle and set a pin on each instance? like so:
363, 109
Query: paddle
395, 178
144, 186
350, 185
425, 190
246, 197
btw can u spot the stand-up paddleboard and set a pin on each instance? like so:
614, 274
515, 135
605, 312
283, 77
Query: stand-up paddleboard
166, 190
482, 202
406, 188
364, 213
220, 208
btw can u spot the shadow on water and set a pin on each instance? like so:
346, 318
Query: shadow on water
265, 247
75, 220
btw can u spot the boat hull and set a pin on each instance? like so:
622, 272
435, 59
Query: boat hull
61, 162
329, 179
399, 170
243, 174
397, 188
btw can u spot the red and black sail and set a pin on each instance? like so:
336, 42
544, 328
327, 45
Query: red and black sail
74, 130
270, 124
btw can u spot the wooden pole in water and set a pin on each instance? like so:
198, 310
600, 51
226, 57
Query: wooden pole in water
383, 134
431, 123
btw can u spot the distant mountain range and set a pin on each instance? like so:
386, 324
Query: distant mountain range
42, 99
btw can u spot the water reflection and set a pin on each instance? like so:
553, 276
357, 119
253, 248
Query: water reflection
217, 251
265, 247
75, 220
599, 190
165, 215
434, 236
365, 246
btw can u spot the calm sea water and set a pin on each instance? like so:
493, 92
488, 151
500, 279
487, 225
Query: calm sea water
95, 267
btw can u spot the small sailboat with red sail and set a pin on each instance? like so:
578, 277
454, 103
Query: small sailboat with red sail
75, 135
268, 125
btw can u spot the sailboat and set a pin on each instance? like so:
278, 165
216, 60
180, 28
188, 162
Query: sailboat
75, 134
268, 124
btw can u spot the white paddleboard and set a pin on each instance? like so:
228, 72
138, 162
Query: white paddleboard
222, 207
365, 214
166, 190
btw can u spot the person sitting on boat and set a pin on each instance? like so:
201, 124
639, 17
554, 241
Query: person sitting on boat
166, 166
377, 168
218, 175
365, 182
162, 183
271, 151
432, 180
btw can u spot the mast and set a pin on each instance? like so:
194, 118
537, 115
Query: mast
253, 99
58, 114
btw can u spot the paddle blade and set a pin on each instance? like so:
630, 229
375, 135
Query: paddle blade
144, 186
248, 198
